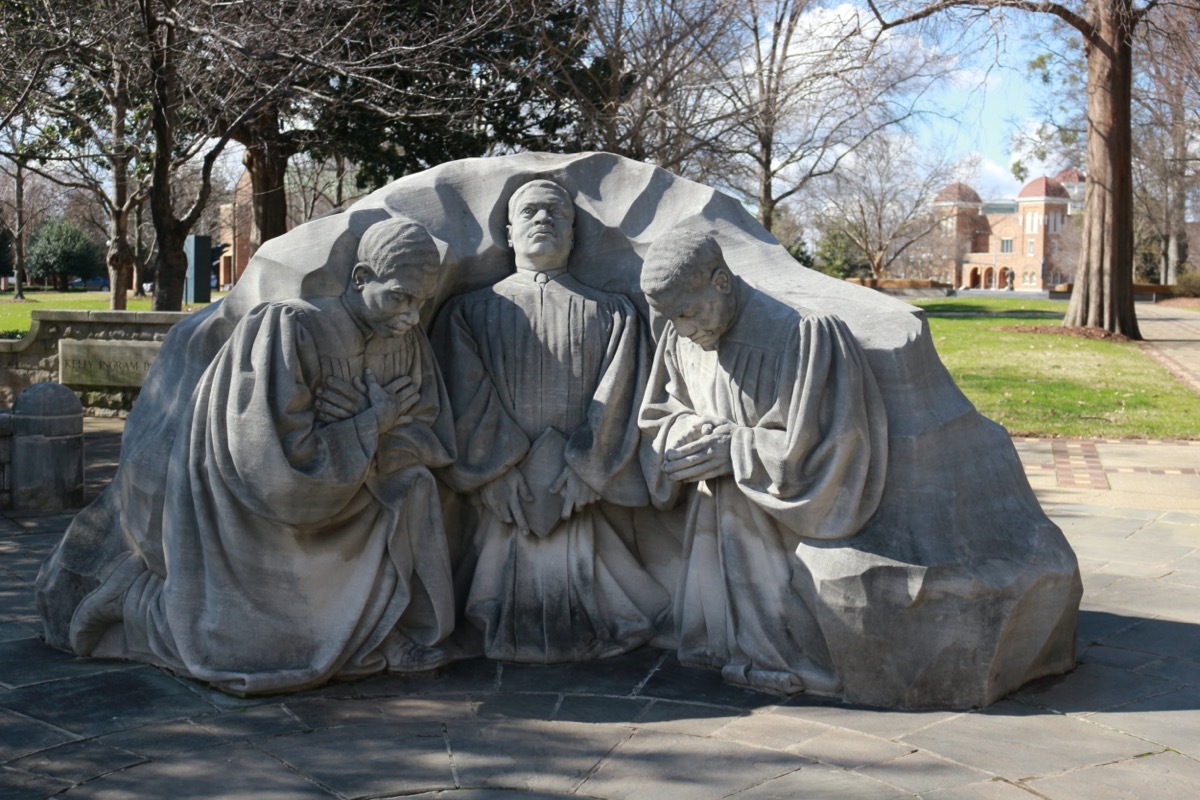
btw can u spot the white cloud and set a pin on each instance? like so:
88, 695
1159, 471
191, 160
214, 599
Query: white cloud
994, 181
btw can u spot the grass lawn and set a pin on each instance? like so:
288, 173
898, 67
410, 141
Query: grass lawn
15, 317
1054, 385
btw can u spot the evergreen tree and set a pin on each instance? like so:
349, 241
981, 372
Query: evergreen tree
60, 250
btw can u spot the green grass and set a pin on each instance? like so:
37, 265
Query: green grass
992, 305
15, 317
1055, 385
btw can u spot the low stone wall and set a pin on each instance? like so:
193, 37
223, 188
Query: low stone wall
898, 287
101, 355
1142, 292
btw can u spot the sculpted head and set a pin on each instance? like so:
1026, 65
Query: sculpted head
395, 275
541, 225
686, 280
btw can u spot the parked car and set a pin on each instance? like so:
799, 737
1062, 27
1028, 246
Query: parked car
98, 283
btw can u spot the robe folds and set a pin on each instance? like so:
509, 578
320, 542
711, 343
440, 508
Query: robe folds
526, 363
809, 452
285, 550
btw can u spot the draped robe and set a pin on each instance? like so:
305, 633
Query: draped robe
527, 359
283, 550
808, 453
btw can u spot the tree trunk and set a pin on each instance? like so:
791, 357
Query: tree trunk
19, 239
119, 256
119, 259
1177, 238
1103, 293
141, 254
266, 160
169, 233
766, 189
172, 269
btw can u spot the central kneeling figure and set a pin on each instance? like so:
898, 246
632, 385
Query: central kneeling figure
545, 375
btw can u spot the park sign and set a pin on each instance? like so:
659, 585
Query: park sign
99, 362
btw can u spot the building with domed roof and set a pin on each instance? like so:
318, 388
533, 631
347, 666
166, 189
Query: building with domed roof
1009, 244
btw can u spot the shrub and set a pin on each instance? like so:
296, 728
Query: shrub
1188, 285
60, 250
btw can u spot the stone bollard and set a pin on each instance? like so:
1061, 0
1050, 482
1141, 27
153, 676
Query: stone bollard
47, 449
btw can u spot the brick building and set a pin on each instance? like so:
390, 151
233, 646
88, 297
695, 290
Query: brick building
1017, 241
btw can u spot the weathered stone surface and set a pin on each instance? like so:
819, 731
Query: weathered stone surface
100, 362
956, 591
47, 449
296, 533
35, 357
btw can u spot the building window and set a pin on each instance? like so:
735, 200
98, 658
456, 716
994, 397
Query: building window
1006, 245
1030, 248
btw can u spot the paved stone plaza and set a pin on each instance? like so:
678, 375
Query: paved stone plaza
1124, 724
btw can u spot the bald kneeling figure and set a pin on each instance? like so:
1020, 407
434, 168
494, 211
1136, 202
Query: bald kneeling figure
770, 422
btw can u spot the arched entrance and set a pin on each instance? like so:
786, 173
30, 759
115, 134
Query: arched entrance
989, 278
974, 279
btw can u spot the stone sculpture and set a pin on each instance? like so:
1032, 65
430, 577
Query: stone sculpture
777, 417
299, 497
947, 587
545, 375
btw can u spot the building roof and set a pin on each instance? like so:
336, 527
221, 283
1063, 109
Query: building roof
1044, 187
1070, 175
957, 193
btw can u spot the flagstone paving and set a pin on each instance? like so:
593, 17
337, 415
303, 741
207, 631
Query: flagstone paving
1124, 724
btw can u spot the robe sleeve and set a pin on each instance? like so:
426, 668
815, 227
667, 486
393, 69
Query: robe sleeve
489, 441
667, 411
429, 438
604, 450
816, 461
256, 428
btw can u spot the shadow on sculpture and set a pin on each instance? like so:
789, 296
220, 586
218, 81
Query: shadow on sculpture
833, 515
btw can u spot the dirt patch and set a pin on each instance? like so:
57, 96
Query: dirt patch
1186, 302
1063, 330
19, 300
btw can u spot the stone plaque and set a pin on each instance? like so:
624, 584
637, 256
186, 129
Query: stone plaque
101, 362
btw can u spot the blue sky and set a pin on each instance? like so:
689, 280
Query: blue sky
982, 107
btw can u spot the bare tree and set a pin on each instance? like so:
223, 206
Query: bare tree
26, 198
648, 84
93, 136
318, 185
1164, 127
1103, 293
881, 200
1166, 108
460, 70
810, 87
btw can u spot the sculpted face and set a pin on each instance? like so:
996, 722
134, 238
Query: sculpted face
541, 226
702, 311
388, 301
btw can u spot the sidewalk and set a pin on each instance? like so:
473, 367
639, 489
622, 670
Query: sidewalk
1172, 337
1124, 724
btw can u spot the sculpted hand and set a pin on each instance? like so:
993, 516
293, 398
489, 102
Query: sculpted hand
390, 403
338, 399
575, 492
683, 433
503, 497
407, 396
707, 457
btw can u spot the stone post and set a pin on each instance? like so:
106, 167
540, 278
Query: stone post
47, 449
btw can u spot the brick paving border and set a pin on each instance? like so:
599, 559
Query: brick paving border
1076, 462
